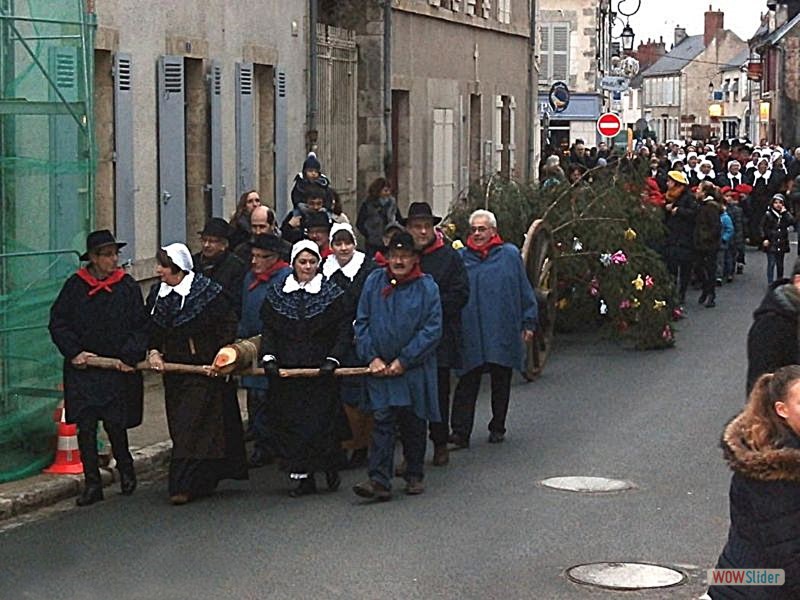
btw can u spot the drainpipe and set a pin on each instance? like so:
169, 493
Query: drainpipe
387, 86
311, 117
533, 85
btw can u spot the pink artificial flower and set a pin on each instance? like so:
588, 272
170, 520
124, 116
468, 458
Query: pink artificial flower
619, 258
625, 304
667, 333
648, 282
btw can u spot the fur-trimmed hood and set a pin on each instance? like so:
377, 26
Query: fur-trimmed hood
779, 463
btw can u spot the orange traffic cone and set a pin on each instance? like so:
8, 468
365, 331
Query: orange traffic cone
68, 457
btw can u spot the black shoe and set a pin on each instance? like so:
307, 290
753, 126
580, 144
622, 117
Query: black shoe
91, 493
458, 441
333, 480
729, 279
127, 480
495, 437
711, 303
739, 269
702, 298
305, 487
358, 459
719, 282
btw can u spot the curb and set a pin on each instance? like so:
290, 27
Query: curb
47, 490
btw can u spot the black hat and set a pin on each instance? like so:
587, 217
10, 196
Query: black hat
217, 227
420, 210
311, 162
268, 242
317, 219
97, 239
402, 241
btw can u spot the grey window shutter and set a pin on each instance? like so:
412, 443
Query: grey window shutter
245, 141
124, 185
560, 52
171, 149
215, 98
68, 211
281, 145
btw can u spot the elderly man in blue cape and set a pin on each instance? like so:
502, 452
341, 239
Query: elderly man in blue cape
398, 327
499, 319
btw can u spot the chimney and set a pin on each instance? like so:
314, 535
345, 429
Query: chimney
715, 22
648, 53
680, 35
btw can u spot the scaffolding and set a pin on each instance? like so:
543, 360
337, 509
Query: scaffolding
47, 166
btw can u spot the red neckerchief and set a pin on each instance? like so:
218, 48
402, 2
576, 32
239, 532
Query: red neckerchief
101, 284
436, 244
380, 259
413, 275
483, 251
326, 253
259, 278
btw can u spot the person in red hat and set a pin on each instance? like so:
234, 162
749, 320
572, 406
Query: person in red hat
100, 312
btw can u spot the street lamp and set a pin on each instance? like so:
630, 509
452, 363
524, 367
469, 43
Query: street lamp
627, 36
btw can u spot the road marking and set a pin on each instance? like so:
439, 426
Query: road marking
588, 485
625, 575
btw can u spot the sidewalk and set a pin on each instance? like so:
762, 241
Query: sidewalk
149, 443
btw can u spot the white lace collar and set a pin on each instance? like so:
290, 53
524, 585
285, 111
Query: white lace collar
350, 270
766, 175
182, 289
312, 287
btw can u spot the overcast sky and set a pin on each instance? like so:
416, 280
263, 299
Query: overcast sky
659, 17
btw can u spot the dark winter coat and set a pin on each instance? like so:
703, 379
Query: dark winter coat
758, 202
772, 341
723, 180
304, 417
708, 229
373, 217
447, 269
228, 270
764, 511
299, 190
737, 216
680, 228
775, 230
112, 324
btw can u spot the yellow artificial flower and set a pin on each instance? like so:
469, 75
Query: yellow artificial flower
638, 283
458, 245
562, 304
450, 229
630, 234
659, 304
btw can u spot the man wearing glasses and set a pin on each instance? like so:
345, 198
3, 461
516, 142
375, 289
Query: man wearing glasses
498, 320
216, 262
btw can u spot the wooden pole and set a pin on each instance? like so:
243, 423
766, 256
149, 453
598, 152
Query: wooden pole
102, 362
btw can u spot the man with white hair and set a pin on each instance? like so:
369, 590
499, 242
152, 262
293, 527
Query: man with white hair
494, 340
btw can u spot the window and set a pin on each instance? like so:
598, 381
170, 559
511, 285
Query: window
486, 8
504, 11
443, 180
469, 8
555, 52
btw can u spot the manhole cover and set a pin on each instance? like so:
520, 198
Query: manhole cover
587, 485
625, 576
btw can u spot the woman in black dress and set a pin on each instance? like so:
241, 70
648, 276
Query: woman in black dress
305, 325
190, 320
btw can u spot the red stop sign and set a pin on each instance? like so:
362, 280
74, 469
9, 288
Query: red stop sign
609, 124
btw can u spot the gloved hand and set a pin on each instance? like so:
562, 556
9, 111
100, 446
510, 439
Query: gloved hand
270, 366
328, 366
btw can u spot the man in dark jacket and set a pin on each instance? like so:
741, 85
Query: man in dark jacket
772, 341
681, 209
441, 262
100, 312
216, 262
707, 234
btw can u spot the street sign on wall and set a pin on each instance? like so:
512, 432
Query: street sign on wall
609, 125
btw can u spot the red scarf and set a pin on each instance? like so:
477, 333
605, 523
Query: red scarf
436, 244
101, 284
380, 259
483, 251
259, 278
326, 253
394, 281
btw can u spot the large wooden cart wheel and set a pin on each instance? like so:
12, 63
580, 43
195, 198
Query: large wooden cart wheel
538, 256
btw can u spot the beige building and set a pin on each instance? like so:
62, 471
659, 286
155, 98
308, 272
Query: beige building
194, 105
679, 88
442, 102
733, 96
575, 47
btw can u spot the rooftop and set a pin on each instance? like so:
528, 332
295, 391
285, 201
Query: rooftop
677, 58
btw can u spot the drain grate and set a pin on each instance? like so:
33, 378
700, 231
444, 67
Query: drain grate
625, 575
588, 485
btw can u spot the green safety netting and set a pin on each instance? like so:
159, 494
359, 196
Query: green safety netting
47, 162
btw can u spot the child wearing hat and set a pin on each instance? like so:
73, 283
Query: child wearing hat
311, 174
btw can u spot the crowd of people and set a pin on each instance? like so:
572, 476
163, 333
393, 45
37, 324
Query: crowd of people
412, 311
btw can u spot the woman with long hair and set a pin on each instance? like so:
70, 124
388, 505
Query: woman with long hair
240, 219
376, 212
762, 448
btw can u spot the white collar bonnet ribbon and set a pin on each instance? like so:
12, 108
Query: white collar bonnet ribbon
312, 287
180, 255
350, 270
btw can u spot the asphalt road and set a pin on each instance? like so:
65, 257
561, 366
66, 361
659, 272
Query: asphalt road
485, 528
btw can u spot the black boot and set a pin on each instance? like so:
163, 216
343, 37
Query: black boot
306, 486
711, 301
127, 479
333, 480
702, 298
92, 489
